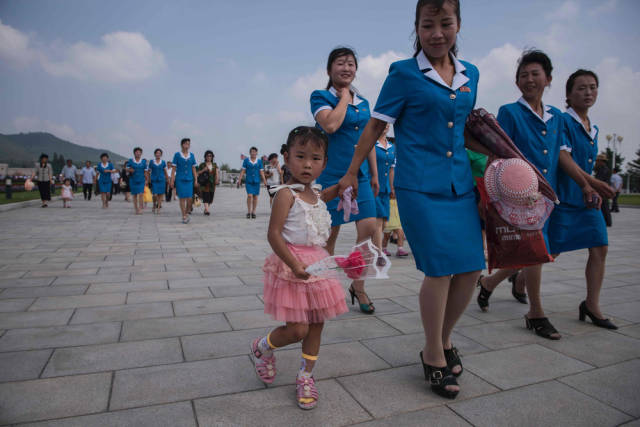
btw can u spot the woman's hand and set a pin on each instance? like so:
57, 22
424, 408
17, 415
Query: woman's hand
173, 184
589, 194
299, 271
375, 186
602, 188
349, 180
344, 92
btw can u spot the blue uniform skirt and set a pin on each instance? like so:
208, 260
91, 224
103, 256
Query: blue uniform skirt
136, 187
572, 228
253, 188
382, 206
104, 186
158, 187
443, 231
184, 188
366, 201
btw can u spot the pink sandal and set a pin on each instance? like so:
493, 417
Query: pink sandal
265, 366
306, 393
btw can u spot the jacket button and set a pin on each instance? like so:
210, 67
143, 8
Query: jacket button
590, 160
544, 132
356, 128
449, 154
357, 111
452, 96
450, 125
544, 171
591, 142
545, 151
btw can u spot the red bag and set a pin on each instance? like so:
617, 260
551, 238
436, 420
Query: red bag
510, 246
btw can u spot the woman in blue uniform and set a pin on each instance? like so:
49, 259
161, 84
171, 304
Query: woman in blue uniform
573, 225
252, 169
427, 99
184, 178
538, 131
342, 114
137, 168
105, 168
386, 164
158, 177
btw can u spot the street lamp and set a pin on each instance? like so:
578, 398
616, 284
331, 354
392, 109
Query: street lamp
615, 139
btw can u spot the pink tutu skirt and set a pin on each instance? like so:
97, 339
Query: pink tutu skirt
289, 299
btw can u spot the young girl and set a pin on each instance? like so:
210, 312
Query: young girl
67, 193
299, 228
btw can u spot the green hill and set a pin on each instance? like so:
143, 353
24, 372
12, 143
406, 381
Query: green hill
24, 149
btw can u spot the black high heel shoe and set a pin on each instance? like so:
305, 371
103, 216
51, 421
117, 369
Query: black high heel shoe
453, 360
483, 296
365, 308
602, 323
439, 379
521, 298
542, 327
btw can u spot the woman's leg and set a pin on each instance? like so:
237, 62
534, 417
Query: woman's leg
434, 294
103, 197
255, 203
189, 206
491, 282
594, 273
377, 238
249, 203
183, 207
366, 229
385, 240
333, 237
400, 234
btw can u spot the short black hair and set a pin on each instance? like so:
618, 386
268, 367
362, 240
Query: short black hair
303, 134
206, 153
336, 53
571, 81
104, 155
136, 149
156, 150
272, 156
436, 4
183, 140
535, 56
284, 149
253, 148
44, 156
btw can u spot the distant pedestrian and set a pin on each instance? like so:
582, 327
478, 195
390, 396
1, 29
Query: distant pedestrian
616, 183
273, 173
208, 178
252, 169
137, 168
88, 176
603, 173
67, 193
70, 171
124, 176
184, 178
105, 168
286, 174
8, 187
44, 175
115, 180
159, 178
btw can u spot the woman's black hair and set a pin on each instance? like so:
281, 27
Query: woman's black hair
104, 155
156, 150
284, 149
338, 53
303, 134
535, 56
43, 156
436, 4
572, 81
183, 140
253, 148
206, 153
136, 149
272, 156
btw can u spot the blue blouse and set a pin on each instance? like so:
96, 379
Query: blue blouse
138, 170
343, 141
583, 147
538, 138
157, 171
428, 119
385, 160
104, 176
252, 170
184, 167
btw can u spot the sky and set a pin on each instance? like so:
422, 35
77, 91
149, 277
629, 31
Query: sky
233, 74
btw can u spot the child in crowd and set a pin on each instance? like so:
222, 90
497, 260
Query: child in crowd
67, 193
393, 227
298, 229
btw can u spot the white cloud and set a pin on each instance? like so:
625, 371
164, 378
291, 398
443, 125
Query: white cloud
120, 57
568, 10
497, 77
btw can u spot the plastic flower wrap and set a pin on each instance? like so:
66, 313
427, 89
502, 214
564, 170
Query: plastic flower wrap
365, 261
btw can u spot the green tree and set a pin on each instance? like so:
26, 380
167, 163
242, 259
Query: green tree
619, 159
633, 171
225, 167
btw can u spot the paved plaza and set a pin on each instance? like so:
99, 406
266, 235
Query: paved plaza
113, 319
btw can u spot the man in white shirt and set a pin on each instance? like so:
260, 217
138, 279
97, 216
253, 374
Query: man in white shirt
88, 174
616, 183
70, 171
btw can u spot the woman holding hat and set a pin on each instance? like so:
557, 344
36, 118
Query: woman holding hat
44, 175
574, 224
538, 131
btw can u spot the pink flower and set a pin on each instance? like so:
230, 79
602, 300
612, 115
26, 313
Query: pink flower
354, 265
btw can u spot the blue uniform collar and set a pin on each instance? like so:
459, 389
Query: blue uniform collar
357, 99
157, 164
577, 118
546, 108
182, 155
389, 144
459, 79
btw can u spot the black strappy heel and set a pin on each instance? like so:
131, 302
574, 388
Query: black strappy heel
520, 297
602, 323
542, 327
453, 359
483, 296
439, 379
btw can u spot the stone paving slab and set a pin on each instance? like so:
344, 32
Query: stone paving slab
187, 301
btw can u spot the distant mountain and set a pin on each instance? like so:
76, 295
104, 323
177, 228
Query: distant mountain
24, 149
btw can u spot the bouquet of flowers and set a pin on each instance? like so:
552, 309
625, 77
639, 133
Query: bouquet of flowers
365, 261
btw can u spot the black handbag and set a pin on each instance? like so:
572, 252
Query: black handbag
203, 178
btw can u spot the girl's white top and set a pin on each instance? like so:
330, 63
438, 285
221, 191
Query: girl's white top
307, 224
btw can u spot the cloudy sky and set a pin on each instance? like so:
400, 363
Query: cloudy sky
231, 74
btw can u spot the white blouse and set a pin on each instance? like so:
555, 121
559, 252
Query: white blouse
307, 224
